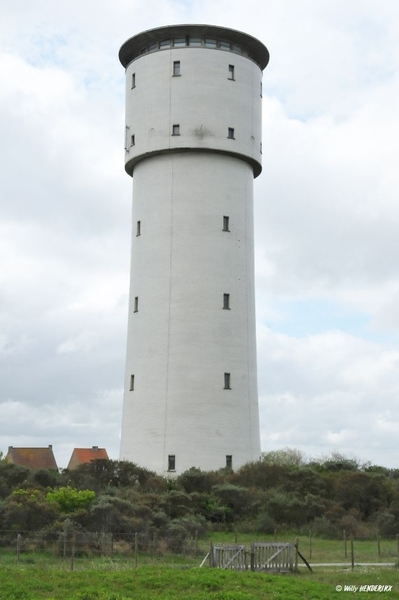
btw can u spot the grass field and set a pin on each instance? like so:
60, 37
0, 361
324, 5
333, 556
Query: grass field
104, 582
39, 575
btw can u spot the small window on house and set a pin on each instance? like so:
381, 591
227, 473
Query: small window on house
132, 140
133, 80
231, 72
176, 130
261, 147
229, 461
136, 304
138, 228
171, 462
224, 45
261, 92
227, 381
226, 224
131, 383
153, 47
176, 68
230, 133
226, 301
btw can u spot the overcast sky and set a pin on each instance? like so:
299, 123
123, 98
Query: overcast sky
326, 220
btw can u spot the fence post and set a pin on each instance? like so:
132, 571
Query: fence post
352, 553
310, 544
378, 543
345, 547
211, 554
72, 552
136, 548
253, 557
296, 553
18, 546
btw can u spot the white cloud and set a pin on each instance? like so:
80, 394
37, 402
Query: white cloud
327, 217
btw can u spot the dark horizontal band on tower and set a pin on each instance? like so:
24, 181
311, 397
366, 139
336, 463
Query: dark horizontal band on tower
152, 39
129, 166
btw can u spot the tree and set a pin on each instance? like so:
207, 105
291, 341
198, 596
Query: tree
28, 510
70, 500
288, 457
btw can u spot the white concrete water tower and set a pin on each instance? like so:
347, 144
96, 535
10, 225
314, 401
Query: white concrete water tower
193, 146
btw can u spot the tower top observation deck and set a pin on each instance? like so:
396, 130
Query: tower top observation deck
194, 36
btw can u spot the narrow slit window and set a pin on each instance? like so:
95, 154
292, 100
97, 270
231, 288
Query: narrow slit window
132, 140
231, 72
176, 130
171, 462
138, 228
136, 304
176, 68
131, 383
133, 80
229, 461
227, 381
230, 133
226, 223
261, 147
226, 301
261, 90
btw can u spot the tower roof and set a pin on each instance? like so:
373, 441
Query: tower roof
149, 40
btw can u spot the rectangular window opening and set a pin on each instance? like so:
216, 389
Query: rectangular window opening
231, 72
230, 133
261, 147
261, 91
136, 304
229, 461
227, 381
226, 224
176, 130
226, 301
176, 68
180, 42
131, 383
171, 462
138, 228
132, 140
133, 80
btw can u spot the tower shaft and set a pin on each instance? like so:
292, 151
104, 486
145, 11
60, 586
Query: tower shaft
193, 146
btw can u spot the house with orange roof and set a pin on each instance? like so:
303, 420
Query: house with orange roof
32, 458
81, 456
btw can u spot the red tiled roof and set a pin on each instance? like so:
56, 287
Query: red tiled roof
81, 456
32, 458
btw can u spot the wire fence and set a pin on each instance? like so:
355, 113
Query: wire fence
76, 543
136, 548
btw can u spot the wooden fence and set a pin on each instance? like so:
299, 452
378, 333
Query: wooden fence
267, 557
272, 557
